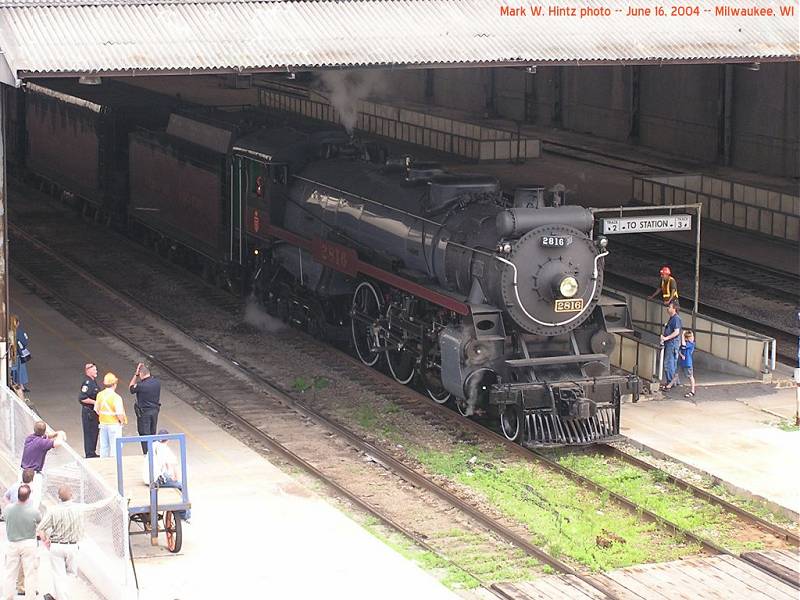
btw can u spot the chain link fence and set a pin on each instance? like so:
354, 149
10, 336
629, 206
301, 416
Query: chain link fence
104, 553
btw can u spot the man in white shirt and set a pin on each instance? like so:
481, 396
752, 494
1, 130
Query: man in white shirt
165, 469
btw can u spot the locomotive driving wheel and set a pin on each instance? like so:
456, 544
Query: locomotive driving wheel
401, 364
432, 380
365, 312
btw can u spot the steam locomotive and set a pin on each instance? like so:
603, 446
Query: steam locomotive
490, 301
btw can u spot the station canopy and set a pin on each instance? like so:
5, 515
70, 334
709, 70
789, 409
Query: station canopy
125, 37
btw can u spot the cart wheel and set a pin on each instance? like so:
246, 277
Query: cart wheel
172, 527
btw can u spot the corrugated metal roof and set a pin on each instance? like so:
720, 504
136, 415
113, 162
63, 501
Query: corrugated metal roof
72, 36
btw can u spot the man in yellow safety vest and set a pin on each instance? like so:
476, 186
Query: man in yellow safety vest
668, 287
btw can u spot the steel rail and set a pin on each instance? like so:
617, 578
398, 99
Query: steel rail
699, 492
784, 284
254, 430
415, 478
389, 462
528, 453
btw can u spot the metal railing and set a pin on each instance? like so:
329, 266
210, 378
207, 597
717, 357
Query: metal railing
105, 542
737, 345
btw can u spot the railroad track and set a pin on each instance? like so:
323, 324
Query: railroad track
758, 307
750, 276
252, 418
698, 492
285, 425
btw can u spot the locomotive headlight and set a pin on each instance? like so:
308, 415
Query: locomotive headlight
568, 286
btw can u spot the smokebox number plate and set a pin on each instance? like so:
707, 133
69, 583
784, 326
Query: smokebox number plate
571, 305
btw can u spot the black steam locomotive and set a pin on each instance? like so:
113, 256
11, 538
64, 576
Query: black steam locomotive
491, 301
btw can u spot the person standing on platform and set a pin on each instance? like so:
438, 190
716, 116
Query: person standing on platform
11, 493
671, 340
35, 450
62, 530
668, 288
148, 401
111, 415
87, 398
687, 360
19, 354
21, 521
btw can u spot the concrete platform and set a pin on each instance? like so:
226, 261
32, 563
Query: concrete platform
255, 532
730, 432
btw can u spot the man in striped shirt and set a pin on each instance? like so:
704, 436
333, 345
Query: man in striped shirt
62, 530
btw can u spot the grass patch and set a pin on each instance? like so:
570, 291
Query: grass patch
562, 517
366, 416
651, 491
786, 425
304, 384
757, 507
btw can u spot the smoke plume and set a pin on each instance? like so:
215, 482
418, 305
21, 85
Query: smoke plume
345, 88
255, 315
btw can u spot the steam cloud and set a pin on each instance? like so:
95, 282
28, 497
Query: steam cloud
255, 315
345, 88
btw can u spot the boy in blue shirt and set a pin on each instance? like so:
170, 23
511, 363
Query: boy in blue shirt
687, 361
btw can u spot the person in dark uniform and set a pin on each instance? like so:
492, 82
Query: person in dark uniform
148, 401
86, 398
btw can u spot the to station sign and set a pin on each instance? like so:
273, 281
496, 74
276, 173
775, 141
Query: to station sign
647, 224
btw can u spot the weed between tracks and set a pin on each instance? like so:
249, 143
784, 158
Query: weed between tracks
651, 491
452, 576
757, 507
562, 517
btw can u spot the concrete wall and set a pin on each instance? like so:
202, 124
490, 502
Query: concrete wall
766, 130
463, 89
407, 84
680, 107
679, 110
596, 100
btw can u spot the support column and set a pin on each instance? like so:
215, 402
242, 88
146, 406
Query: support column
4, 286
726, 114
558, 117
635, 98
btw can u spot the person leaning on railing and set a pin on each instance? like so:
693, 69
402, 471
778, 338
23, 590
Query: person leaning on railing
35, 450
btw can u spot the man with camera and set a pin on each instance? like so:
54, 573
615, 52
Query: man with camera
148, 401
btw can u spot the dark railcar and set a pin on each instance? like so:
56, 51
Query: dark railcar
180, 188
177, 189
77, 135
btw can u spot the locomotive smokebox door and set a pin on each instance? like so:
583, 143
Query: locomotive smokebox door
549, 285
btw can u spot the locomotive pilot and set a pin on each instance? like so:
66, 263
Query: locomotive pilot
668, 288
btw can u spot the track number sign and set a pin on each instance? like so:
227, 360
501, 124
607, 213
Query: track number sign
647, 224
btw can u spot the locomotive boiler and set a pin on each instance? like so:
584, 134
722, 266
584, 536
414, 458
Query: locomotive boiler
493, 301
